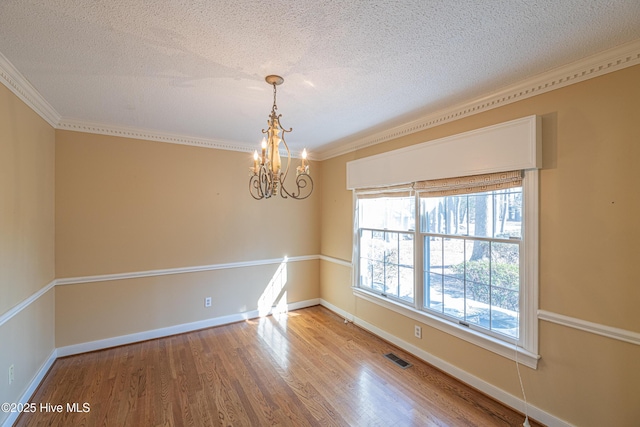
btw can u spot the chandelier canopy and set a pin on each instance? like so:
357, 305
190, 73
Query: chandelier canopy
267, 176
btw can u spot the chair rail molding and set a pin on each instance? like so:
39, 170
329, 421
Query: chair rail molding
591, 327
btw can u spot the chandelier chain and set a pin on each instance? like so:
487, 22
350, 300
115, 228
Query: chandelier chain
275, 107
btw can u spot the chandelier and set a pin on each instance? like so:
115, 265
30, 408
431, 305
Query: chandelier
267, 176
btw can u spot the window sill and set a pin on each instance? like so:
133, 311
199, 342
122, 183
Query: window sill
494, 345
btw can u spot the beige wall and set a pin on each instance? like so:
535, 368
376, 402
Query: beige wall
126, 205
27, 152
589, 234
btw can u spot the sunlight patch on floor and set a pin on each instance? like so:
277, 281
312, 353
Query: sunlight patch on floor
272, 293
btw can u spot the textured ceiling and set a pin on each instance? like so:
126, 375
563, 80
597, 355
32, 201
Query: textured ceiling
351, 67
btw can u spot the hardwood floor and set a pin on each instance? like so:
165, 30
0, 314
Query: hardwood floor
304, 368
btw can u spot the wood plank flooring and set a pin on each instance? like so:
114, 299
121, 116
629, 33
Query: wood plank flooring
304, 368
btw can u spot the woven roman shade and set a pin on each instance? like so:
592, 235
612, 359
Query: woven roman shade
469, 184
403, 190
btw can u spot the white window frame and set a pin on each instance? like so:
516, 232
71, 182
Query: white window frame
495, 146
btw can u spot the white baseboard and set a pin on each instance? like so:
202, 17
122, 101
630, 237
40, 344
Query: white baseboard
467, 378
340, 312
171, 330
33, 385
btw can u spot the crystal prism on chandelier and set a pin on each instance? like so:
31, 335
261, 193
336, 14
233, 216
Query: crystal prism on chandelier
267, 177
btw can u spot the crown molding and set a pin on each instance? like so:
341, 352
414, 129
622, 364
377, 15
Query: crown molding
611, 60
20, 86
150, 135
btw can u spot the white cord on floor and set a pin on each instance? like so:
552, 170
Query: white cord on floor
526, 415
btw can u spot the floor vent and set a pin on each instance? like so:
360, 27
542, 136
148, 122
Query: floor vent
395, 359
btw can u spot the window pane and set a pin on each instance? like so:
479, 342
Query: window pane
393, 213
391, 280
503, 320
481, 215
406, 250
435, 292
433, 255
505, 287
453, 277
405, 261
391, 264
432, 215
509, 204
505, 265
391, 248
366, 244
478, 304
457, 215
433, 273
406, 284
366, 273
454, 297
477, 281
453, 257
378, 276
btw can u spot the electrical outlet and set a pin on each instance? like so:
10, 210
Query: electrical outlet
417, 331
207, 302
11, 374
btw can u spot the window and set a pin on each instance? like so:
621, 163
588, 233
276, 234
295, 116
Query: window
455, 258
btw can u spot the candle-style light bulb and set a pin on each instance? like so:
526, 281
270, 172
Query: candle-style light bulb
264, 149
256, 162
303, 168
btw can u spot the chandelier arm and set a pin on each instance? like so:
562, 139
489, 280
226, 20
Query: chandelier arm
261, 183
254, 188
283, 191
302, 181
286, 146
